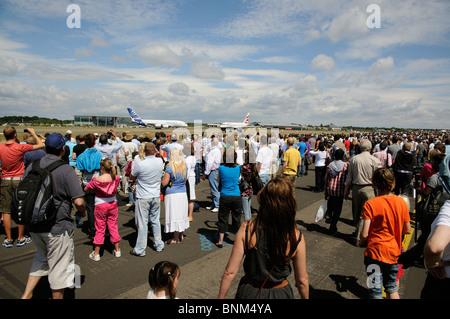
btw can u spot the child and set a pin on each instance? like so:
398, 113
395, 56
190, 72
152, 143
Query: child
106, 210
131, 184
386, 219
163, 280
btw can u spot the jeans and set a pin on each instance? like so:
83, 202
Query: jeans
265, 178
247, 207
197, 172
214, 186
131, 197
380, 275
146, 207
301, 168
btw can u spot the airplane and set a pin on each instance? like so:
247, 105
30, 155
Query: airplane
245, 123
156, 123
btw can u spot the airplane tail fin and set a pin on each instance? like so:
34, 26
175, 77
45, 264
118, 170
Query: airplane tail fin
135, 117
247, 118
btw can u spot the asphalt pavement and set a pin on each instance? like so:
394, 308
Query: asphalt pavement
334, 264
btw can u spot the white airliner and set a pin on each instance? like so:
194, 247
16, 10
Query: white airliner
156, 123
245, 123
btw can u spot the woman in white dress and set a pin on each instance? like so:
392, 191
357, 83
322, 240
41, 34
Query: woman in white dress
175, 199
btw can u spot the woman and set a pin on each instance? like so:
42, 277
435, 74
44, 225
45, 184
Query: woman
230, 196
385, 221
320, 166
175, 199
269, 242
248, 173
188, 151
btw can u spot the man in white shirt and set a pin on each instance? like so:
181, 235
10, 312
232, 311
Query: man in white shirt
264, 160
213, 160
148, 174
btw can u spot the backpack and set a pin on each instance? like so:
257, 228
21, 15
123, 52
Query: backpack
428, 208
33, 201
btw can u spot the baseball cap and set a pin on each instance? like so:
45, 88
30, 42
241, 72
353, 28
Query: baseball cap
55, 140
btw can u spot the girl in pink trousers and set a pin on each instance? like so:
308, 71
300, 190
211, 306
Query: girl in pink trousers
106, 211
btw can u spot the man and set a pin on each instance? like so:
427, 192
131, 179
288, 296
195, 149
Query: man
124, 155
148, 173
31, 156
334, 189
395, 147
88, 163
198, 150
107, 150
291, 161
54, 239
213, 160
359, 181
403, 167
275, 157
302, 148
384, 157
264, 160
11, 157
167, 147
70, 145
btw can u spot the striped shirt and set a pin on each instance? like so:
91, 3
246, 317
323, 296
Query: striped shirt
334, 185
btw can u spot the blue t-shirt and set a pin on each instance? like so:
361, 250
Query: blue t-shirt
302, 148
229, 178
178, 182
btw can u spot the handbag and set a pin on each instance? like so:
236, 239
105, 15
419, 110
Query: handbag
257, 184
243, 184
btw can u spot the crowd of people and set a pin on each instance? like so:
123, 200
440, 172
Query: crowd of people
375, 170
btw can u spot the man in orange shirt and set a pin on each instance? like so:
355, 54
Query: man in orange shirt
11, 157
385, 220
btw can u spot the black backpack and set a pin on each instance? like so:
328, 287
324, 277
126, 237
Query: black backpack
33, 201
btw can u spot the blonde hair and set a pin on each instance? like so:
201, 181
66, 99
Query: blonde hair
108, 166
176, 162
142, 150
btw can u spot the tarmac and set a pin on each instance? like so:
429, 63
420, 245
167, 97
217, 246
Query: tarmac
334, 264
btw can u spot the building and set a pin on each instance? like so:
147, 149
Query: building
102, 120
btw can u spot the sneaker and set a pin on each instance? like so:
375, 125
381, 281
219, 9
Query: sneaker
22, 242
215, 210
134, 254
117, 253
94, 257
209, 207
8, 243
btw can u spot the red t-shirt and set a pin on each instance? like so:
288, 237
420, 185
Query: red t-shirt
388, 215
11, 156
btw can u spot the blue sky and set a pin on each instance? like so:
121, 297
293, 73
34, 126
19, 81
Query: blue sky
284, 61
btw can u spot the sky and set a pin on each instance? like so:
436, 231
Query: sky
282, 61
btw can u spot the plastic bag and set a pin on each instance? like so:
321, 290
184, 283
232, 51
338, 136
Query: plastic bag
321, 211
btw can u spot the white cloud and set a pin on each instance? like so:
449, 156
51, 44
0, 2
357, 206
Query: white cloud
382, 66
8, 66
179, 88
160, 55
323, 62
207, 70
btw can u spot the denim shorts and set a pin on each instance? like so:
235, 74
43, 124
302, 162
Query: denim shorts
380, 275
